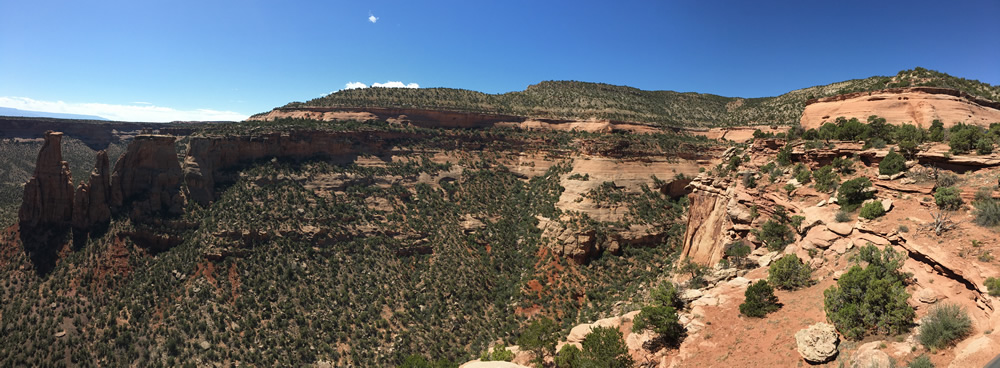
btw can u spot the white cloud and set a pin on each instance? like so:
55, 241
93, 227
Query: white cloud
353, 85
395, 85
372, 18
138, 112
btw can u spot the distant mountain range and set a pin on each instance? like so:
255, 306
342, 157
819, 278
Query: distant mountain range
7, 111
583, 100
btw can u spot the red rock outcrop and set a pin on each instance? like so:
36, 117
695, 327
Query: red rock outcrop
148, 175
90, 204
48, 195
915, 105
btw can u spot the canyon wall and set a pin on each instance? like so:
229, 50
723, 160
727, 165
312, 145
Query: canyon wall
208, 158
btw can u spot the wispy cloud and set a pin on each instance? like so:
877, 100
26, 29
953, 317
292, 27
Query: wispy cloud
372, 18
140, 111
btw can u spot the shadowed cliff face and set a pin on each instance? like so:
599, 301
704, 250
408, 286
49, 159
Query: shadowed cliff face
148, 176
91, 205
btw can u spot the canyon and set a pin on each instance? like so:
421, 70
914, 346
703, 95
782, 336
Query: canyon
444, 231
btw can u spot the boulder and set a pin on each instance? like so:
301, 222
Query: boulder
841, 246
836, 275
840, 228
689, 295
817, 343
48, 194
870, 356
766, 259
738, 212
820, 237
739, 282
927, 296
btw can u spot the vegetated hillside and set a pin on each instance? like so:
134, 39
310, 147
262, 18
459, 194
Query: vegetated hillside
582, 100
430, 246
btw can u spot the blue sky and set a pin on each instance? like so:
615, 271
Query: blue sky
187, 60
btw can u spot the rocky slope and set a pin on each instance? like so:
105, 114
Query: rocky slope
914, 105
720, 213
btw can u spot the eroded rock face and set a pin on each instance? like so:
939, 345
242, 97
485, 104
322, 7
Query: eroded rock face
708, 219
48, 195
817, 343
91, 202
148, 175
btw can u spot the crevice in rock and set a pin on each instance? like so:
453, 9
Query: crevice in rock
947, 272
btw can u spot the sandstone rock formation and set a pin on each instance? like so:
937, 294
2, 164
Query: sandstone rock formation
818, 343
91, 201
48, 195
708, 220
915, 105
148, 175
